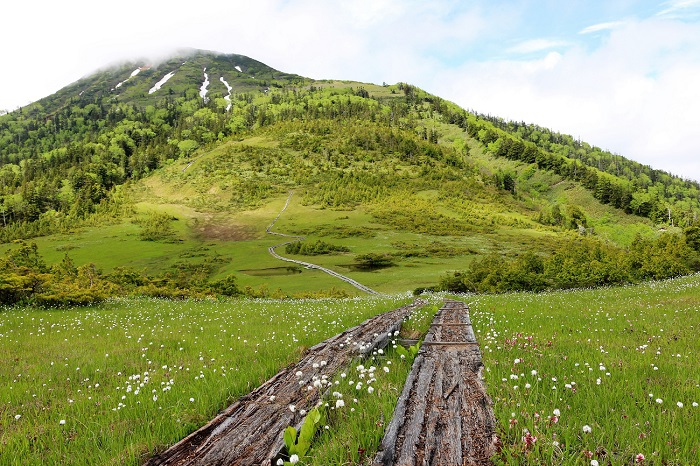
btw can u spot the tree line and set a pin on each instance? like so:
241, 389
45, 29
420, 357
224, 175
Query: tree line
582, 262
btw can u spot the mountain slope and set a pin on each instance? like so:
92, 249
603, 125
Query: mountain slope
384, 171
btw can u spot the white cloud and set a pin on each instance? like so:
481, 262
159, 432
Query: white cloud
537, 45
679, 9
602, 27
635, 95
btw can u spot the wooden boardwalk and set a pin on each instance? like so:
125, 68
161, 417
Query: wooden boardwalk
250, 431
444, 415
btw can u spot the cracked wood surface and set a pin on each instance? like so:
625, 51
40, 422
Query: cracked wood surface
250, 431
444, 415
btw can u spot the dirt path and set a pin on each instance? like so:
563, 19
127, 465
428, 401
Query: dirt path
250, 431
308, 265
444, 415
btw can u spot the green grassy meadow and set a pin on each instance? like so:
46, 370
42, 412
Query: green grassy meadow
622, 361
112, 384
236, 243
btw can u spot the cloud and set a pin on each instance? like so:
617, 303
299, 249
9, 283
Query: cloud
635, 94
680, 9
602, 27
537, 45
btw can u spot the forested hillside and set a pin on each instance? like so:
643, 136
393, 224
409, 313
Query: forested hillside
215, 133
614, 180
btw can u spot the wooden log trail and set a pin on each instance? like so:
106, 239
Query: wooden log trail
250, 431
444, 415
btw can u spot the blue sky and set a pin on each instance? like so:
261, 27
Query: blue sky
620, 74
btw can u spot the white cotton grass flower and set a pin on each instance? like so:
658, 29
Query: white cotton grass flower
339, 403
62, 422
292, 408
280, 462
191, 400
680, 404
17, 416
594, 462
294, 459
556, 412
587, 429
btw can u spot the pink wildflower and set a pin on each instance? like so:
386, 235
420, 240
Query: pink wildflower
529, 440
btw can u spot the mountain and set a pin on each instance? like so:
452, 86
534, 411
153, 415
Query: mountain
144, 82
165, 175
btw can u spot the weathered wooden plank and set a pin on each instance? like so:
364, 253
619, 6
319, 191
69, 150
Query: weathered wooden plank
416, 411
444, 415
250, 431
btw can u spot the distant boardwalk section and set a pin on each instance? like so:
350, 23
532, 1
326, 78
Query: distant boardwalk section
444, 415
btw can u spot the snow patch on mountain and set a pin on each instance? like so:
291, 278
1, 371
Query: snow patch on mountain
238, 68
133, 73
205, 84
227, 97
160, 83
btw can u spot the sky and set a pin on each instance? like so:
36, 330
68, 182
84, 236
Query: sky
622, 75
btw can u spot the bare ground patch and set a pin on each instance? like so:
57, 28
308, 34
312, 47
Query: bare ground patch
212, 230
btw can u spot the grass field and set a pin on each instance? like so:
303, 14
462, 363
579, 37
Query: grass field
237, 244
603, 375
111, 384
591, 375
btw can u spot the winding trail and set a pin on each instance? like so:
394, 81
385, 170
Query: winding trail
296, 239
